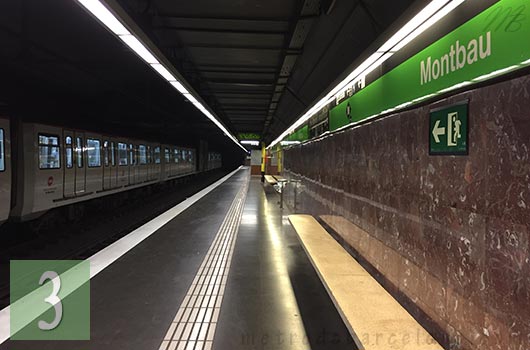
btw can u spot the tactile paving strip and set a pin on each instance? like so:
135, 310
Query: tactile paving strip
194, 325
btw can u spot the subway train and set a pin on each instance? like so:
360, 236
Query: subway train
43, 167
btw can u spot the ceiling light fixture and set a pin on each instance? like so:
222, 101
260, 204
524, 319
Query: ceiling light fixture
135, 45
428, 16
250, 142
115, 25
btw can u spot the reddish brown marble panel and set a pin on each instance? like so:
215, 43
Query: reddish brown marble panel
450, 235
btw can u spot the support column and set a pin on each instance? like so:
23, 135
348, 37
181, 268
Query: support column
280, 160
263, 160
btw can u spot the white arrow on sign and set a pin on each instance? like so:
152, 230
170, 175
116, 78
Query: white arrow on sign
437, 131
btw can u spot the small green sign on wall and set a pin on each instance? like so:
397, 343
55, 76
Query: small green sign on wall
448, 131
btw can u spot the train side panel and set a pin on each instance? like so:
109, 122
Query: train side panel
5, 170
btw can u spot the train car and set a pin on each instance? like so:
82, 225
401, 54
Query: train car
55, 167
214, 161
60, 166
5, 169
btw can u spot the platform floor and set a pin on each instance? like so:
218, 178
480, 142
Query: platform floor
269, 296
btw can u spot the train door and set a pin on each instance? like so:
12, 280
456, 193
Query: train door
142, 163
5, 170
69, 170
149, 163
175, 166
132, 165
123, 164
107, 168
157, 163
167, 163
80, 169
113, 165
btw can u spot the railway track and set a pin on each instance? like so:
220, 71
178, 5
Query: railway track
95, 231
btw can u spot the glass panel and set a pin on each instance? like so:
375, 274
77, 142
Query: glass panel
49, 152
2, 152
93, 152
69, 157
79, 151
68, 140
122, 154
176, 155
142, 154
48, 140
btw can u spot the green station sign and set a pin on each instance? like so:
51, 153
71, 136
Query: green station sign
493, 43
248, 136
448, 131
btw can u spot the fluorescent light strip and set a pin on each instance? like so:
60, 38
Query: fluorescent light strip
495, 73
428, 16
413, 24
177, 85
454, 87
166, 74
250, 142
432, 20
135, 45
105, 16
109, 20
526, 62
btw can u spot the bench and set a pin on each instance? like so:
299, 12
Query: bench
270, 180
374, 318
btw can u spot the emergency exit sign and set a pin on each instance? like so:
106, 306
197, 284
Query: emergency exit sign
448, 131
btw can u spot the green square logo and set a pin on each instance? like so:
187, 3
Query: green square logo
50, 299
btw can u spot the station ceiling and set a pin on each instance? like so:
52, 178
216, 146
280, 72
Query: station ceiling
258, 63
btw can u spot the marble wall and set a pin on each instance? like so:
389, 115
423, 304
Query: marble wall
448, 236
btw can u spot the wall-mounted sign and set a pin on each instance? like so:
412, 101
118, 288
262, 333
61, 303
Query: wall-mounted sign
248, 136
448, 130
493, 43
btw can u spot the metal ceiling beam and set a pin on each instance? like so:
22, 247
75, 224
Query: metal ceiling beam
165, 17
309, 12
238, 66
242, 93
237, 82
225, 31
235, 47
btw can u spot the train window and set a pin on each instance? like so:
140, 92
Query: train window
142, 154
68, 152
122, 154
176, 155
79, 151
2, 153
167, 155
93, 153
106, 153
49, 155
157, 155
